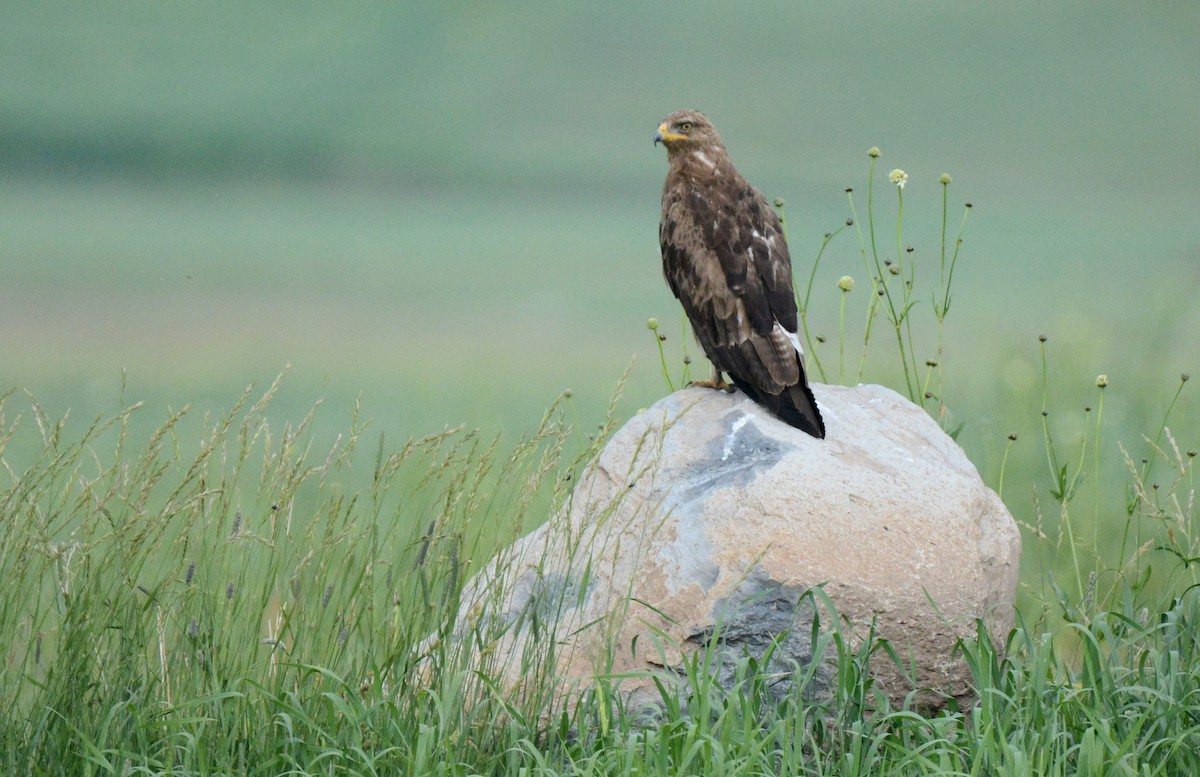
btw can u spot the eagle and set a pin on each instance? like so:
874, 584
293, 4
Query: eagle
725, 259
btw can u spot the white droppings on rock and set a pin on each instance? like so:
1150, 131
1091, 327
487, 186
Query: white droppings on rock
737, 426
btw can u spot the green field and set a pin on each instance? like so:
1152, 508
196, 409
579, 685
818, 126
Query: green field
393, 202
446, 216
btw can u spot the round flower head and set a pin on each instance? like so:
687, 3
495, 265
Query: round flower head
944, 179
873, 152
1101, 381
845, 283
898, 177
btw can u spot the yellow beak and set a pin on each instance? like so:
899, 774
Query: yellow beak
664, 134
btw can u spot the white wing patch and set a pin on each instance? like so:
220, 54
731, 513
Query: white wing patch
790, 336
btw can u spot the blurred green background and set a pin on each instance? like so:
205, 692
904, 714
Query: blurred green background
450, 209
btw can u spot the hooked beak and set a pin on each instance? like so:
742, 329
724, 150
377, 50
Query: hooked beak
664, 135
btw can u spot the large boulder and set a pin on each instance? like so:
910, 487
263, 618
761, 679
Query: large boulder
707, 520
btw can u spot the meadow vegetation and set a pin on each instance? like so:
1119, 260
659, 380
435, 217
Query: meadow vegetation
229, 595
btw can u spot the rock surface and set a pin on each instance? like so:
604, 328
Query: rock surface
707, 518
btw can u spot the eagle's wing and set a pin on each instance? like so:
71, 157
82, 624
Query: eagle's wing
726, 261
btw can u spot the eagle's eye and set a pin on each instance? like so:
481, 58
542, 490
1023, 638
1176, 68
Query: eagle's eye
686, 126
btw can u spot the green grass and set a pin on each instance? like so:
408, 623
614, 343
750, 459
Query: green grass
164, 601
240, 601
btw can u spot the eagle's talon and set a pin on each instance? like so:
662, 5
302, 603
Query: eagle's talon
713, 383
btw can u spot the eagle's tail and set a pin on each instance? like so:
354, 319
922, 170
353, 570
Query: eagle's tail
795, 405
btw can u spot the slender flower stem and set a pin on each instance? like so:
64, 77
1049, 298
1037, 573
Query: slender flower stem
652, 324
1003, 464
842, 338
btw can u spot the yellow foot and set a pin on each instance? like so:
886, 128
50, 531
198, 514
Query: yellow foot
715, 383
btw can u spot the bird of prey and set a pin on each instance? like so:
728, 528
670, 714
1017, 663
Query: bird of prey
725, 258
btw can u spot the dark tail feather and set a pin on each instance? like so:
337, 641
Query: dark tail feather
795, 405
799, 408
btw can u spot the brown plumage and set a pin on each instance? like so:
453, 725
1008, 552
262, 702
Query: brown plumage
725, 259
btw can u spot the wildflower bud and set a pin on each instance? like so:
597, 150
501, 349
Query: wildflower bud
845, 283
894, 270
849, 222
661, 337
1087, 408
968, 204
929, 395
1191, 453
931, 362
879, 292
652, 324
568, 393
849, 189
898, 177
1041, 338
873, 152
908, 250
1184, 377
820, 338
1101, 381
828, 235
944, 179
1012, 436
778, 202
687, 359
1045, 413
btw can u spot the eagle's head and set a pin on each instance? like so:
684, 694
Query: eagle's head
687, 130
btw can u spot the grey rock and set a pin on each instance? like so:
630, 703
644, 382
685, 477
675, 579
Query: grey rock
708, 523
